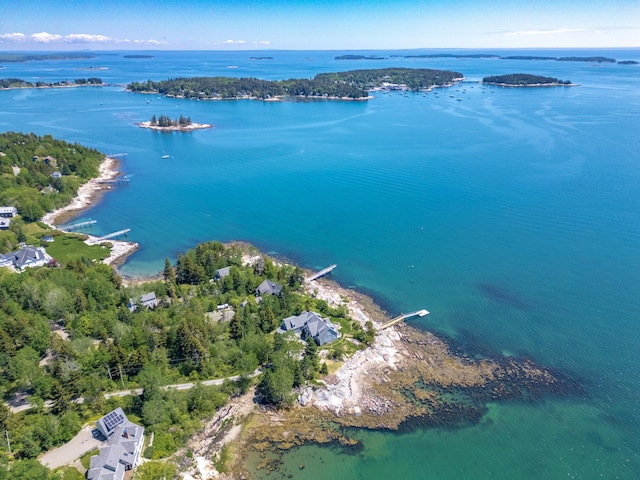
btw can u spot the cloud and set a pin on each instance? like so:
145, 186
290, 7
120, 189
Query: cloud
13, 37
262, 42
73, 38
44, 37
233, 42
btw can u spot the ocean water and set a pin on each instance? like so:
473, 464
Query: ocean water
513, 215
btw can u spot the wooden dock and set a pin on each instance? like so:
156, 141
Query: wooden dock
113, 235
76, 226
321, 273
116, 181
404, 316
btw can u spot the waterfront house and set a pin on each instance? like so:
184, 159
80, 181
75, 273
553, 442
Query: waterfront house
222, 272
147, 300
8, 212
268, 288
5, 223
26, 257
124, 441
310, 325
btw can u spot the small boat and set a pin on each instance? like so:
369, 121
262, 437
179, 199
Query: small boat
165, 155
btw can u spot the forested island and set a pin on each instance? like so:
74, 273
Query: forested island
595, 59
353, 84
166, 123
8, 83
29, 57
524, 80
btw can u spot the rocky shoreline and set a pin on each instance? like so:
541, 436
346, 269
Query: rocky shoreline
406, 379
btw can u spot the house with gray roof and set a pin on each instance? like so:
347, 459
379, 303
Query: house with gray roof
310, 324
268, 288
222, 272
124, 441
26, 257
147, 300
5, 223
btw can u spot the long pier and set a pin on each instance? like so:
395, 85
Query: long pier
76, 226
114, 234
320, 273
400, 318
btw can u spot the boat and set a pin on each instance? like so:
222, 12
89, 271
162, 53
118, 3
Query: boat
165, 155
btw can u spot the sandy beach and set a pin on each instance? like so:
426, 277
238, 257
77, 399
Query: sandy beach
88, 194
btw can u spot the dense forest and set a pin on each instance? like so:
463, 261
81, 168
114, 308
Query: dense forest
66, 332
27, 165
524, 79
353, 84
19, 83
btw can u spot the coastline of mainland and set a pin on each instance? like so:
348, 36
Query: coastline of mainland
405, 379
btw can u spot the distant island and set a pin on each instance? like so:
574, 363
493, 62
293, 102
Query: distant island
595, 59
359, 57
9, 83
628, 62
260, 58
351, 85
525, 80
138, 56
29, 57
164, 123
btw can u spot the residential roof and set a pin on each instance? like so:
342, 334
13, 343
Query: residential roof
222, 272
311, 324
4, 223
11, 211
148, 300
268, 288
122, 452
29, 256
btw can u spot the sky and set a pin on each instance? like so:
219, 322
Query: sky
57, 25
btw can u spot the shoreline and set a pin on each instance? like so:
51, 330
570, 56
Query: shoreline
88, 195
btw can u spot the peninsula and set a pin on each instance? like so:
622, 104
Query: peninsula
10, 83
232, 318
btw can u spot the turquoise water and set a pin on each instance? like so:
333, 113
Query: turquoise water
512, 215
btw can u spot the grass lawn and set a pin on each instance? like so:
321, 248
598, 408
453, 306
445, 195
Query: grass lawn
68, 247
70, 473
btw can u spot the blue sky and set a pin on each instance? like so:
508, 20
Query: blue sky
321, 24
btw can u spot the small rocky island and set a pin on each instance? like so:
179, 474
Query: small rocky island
167, 124
525, 80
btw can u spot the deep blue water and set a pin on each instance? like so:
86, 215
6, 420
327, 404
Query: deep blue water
512, 215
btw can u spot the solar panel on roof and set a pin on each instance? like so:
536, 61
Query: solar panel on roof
112, 419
